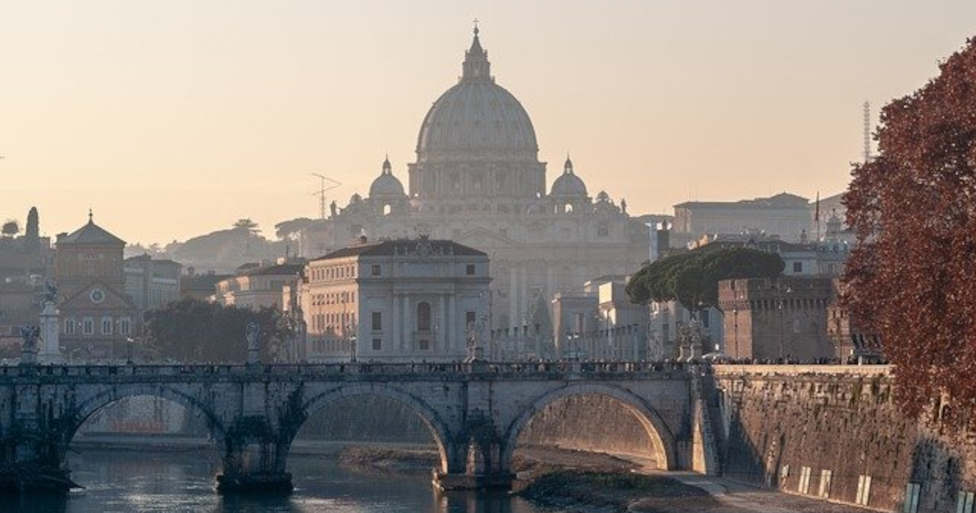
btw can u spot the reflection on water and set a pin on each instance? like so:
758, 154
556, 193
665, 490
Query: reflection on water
124, 482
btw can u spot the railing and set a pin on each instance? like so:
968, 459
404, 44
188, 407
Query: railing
421, 369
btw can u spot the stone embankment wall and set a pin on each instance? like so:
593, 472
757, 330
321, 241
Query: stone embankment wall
835, 432
589, 423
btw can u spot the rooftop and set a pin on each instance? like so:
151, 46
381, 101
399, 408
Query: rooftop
91, 233
781, 200
407, 247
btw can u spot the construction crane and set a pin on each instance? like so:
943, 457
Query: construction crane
323, 188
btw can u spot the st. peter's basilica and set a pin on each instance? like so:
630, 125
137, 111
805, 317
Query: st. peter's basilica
477, 180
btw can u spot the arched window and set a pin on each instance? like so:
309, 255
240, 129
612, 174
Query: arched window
387, 209
423, 316
568, 208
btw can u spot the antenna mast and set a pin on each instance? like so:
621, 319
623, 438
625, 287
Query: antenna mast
867, 132
322, 190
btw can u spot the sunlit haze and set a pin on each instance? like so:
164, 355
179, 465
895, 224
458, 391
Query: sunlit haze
171, 119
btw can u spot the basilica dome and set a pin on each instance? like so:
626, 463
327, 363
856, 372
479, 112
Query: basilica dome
386, 184
568, 184
476, 116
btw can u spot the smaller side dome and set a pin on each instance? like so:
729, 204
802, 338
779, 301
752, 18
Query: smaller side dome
568, 184
386, 184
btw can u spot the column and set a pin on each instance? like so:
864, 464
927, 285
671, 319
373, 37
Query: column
523, 294
513, 297
407, 340
455, 335
396, 328
442, 314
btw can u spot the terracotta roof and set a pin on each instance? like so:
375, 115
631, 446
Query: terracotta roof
411, 247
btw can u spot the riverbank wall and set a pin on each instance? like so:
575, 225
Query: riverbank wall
835, 432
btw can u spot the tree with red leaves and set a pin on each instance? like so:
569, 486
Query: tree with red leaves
912, 275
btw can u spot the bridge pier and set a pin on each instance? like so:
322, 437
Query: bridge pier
476, 465
254, 460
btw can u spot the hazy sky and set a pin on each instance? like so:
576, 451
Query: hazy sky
173, 118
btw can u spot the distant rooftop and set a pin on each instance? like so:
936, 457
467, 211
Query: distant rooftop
405, 247
91, 233
781, 200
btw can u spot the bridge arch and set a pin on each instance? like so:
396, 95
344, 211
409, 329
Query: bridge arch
434, 421
662, 440
115, 393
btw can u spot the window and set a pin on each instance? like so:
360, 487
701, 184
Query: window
376, 271
423, 316
804, 485
704, 318
469, 270
469, 319
69, 327
863, 490
602, 230
964, 504
797, 267
912, 491
106, 325
424, 344
88, 326
124, 325
825, 476
377, 321
377, 344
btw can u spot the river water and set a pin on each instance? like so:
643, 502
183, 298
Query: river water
133, 481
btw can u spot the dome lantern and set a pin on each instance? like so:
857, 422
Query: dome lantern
386, 185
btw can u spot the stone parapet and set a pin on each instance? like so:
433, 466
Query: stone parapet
801, 370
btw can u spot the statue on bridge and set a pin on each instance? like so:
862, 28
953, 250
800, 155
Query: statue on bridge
28, 353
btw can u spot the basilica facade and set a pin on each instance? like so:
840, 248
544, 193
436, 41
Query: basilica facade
477, 180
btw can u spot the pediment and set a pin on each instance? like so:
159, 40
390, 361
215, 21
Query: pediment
97, 296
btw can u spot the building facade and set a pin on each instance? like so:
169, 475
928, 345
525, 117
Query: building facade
152, 283
477, 180
98, 317
259, 286
784, 215
396, 300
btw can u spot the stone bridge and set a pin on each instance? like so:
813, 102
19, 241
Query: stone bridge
475, 411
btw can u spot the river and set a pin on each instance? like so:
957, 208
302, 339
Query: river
140, 481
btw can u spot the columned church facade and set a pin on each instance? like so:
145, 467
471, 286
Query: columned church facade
477, 180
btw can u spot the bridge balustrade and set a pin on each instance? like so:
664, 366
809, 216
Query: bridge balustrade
352, 368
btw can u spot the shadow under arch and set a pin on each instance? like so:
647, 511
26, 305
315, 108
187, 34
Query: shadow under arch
99, 401
430, 418
660, 436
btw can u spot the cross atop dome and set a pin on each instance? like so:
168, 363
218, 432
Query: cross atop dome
476, 65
